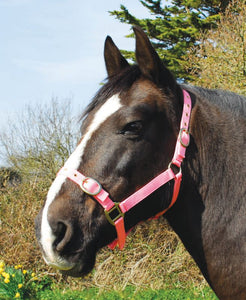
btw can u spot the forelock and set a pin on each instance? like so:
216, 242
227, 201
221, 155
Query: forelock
114, 85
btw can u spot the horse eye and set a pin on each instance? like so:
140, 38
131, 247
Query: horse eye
132, 128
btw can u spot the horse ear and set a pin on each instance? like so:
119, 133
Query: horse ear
149, 62
114, 61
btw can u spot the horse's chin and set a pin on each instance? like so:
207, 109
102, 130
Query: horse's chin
75, 266
78, 270
81, 267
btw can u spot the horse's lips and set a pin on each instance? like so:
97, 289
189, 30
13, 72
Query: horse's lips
61, 266
77, 271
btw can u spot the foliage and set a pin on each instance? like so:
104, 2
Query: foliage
9, 177
18, 207
19, 283
175, 28
130, 293
220, 61
38, 141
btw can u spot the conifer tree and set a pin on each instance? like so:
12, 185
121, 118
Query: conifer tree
175, 27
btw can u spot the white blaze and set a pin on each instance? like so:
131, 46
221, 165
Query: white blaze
47, 238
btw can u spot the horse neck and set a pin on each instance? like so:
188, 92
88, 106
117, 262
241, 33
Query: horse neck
209, 177
217, 154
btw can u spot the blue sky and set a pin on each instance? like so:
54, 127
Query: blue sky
54, 48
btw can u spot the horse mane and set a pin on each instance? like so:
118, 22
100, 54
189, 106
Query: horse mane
114, 85
224, 100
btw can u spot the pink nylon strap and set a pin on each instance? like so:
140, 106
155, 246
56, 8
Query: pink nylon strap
183, 139
147, 190
121, 233
179, 154
89, 186
94, 189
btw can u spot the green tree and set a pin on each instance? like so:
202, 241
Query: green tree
175, 28
220, 60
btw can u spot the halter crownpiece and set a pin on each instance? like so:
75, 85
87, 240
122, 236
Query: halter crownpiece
115, 211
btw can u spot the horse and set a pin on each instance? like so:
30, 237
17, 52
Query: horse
151, 146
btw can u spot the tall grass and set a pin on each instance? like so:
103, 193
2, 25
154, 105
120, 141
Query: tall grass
154, 257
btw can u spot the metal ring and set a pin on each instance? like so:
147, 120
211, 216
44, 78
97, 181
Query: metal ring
120, 214
180, 137
87, 191
179, 169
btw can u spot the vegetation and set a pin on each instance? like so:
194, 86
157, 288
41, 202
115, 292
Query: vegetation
175, 28
18, 283
39, 140
130, 293
8, 177
220, 60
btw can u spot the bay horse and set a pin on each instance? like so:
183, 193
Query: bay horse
151, 146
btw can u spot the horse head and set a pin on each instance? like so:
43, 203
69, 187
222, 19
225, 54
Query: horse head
129, 133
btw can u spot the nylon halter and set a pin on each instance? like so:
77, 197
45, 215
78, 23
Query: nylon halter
115, 211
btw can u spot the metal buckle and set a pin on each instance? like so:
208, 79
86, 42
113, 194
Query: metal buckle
87, 191
118, 210
180, 137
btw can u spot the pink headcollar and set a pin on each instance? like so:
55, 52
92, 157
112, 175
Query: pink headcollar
115, 211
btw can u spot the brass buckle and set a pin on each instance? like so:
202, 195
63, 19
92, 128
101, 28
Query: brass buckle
87, 191
117, 209
180, 137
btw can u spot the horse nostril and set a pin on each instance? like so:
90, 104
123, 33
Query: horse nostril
63, 233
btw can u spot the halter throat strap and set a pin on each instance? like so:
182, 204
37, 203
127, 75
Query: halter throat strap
115, 211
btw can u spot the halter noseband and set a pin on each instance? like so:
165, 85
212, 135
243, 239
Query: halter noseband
115, 211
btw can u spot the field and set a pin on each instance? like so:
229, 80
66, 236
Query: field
153, 265
17, 282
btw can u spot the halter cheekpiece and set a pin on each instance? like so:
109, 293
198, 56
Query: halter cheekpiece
115, 211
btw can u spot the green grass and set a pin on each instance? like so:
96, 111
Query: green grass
19, 283
129, 293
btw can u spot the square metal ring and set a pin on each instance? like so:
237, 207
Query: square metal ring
118, 210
